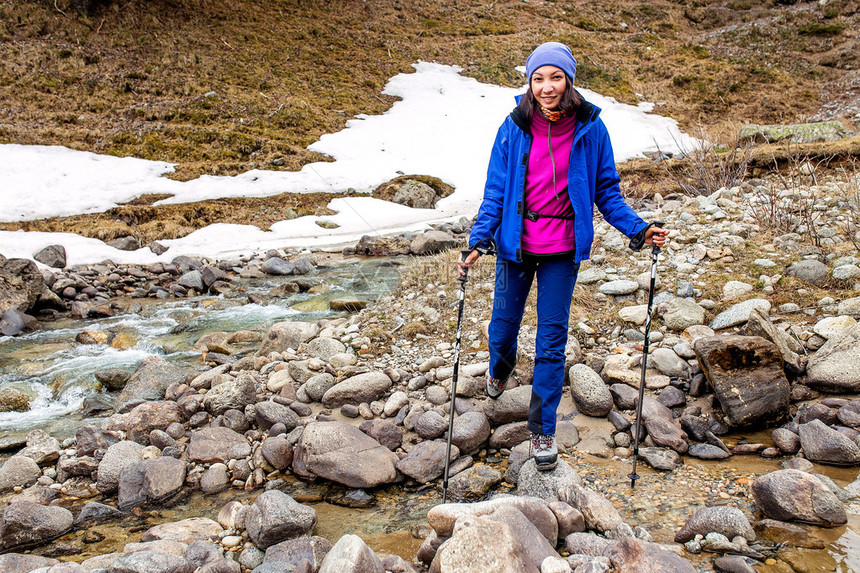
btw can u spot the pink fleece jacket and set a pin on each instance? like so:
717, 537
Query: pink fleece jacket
546, 235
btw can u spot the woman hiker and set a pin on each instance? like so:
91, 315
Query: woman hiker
551, 163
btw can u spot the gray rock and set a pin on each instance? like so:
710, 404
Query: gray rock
431, 425
317, 385
275, 517
21, 563
739, 313
284, 335
150, 481
569, 518
637, 555
415, 194
850, 307
619, 287
661, 458
351, 555
473, 483
430, 242
590, 394
21, 283
787, 441
537, 548
587, 544
290, 553
747, 376
278, 451
442, 518
509, 435
478, 545
792, 495
760, 325
231, 395
277, 266
211, 445
849, 414
186, 531
667, 362
192, 280
707, 452
340, 452
797, 133
730, 521
471, 431
598, 512
215, 479
269, 413
662, 429
426, 461
149, 416
117, 457
512, 406
96, 512
591, 275
148, 382
25, 524
835, 367
12, 323
682, 313
53, 256
546, 484
365, 387
18, 471
828, 446
810, 271
384, 432
147, 561
324, 348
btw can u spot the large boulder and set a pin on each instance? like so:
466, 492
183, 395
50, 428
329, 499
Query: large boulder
52, 255
760, 325
545, 484
275, 517
21, 283
661, 426
835, 367
599, 513
682, 314
18, 471
365, 387
151, 416
340, 452
471, 431
284, 335
512, 406
186, 531
149, 382
150, 481
739, 313
478, 545
727, 520
25, 524
637, 556
351, 555
291, 552
443, 517
747, 376
213, 445
22, 563
793, 495
150, 561
430, 242
426, 461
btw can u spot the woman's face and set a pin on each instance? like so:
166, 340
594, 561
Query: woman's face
548, 85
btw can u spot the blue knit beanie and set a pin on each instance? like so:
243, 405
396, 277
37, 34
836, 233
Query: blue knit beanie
551, 54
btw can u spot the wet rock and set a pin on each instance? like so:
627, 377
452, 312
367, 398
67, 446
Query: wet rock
186, 531
635, 555
365, 387
787, 441
849, 414
150, 416
215, 479
291, 552
211, 445
113, 378
598, 512
89, 439
443, 517
275, 517
788, 533
26, 524
117, 457
383, 432
835, 367
792, 495
96, 512
21, 283
707, 452
590, 394
18, 471
277, 266
729, 521
148, 382
473, 483
659, 422
471, 431
747, 376
41, 448
739, 313
340, 452
661, 458
147, 561
351, 555
478, 545
284, 335
150, 481
826, 445
426, 461
546, 484
14, 322
672, 397
231, 395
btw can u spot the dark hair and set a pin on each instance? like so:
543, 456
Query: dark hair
569, 104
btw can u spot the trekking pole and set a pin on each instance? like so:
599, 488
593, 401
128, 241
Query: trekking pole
462, 298
637, 428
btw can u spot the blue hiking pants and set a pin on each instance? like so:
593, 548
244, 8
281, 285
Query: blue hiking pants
555, 280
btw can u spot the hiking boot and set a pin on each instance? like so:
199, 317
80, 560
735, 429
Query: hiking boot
495, 386
544, 451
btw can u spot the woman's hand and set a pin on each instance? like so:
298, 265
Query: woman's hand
656, 236
465, 263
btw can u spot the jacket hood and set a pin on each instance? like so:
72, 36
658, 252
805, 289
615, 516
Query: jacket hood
587, 112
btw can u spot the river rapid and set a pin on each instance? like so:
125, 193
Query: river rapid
58, 373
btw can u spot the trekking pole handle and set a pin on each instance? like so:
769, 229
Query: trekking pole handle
655, 250
464, 271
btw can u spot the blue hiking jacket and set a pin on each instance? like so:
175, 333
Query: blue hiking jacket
591, 180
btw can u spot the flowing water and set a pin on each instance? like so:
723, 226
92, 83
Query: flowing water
58, 373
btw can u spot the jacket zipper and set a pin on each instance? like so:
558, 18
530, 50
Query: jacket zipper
522, 208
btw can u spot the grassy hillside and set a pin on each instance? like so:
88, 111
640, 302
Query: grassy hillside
222, 87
